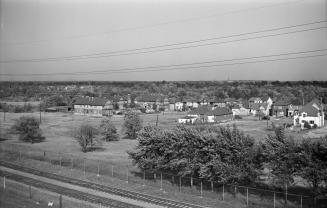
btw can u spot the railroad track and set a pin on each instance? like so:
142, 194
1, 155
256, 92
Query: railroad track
67, 192
103, 188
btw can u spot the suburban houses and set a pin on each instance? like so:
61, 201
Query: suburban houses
205, 110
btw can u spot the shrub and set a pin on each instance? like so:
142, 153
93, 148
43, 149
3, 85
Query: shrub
28, 129
237, 117
307, 125
108, 131
315, 126
265, 118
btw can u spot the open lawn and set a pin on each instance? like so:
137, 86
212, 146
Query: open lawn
58, 128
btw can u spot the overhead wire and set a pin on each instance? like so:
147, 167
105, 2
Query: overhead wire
139, 50
154, 25
186, 65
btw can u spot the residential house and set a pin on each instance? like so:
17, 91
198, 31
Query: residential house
172, 102
280, 108
217, 103
207, 114
187, 120
222, 114
240, 111
94, 106
294, 108
202, 113
312, 113
259, 109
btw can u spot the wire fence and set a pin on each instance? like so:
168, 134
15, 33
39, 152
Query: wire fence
17, 194
166, 182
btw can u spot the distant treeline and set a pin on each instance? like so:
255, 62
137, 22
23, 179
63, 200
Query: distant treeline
295, 91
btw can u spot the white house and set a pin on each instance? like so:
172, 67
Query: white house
240, 111
93, 106
311, 113
187, 119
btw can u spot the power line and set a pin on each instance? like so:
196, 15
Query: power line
182, 66
155, 25
139, 50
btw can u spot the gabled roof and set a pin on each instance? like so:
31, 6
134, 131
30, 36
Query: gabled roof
282, 103
219, 111
94, 101
202, 110
312, 108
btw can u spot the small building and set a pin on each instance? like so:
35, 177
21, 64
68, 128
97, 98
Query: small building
280, 108
94, 106
187, 120
312, 113
222, 114
240, 111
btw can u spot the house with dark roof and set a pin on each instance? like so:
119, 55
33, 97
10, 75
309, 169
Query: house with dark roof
94, 106
207, 114
280, 108
312, 113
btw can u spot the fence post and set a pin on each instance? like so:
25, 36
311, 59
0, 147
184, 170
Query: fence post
223, 192
143, 178
112, 171
160, 181
201, 189
180, 184
211, 186
286, 195
191, 181
43, 155
301, 201
127, 174
60, 159
274, 199
4, 182
247, 196
155, 177
98, 169
84, 167
30, 191
60, 201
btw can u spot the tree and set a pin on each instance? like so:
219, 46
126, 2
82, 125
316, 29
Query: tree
132, 124
84, 135
313, 162
108, 130
282, 155
213, 153
28, 129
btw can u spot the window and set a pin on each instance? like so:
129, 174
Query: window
304, 114
312, 122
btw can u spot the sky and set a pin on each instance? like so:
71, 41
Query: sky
131, 40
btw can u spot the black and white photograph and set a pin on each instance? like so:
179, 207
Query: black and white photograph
163, 103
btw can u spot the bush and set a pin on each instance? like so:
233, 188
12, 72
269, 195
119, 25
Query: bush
307, 125
315, 126
108, 131
237, 117
265, 118
28, 129
84, 135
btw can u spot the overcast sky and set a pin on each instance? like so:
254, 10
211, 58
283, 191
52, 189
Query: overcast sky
32, 31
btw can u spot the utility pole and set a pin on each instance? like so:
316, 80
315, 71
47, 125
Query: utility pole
40, 111
157, 120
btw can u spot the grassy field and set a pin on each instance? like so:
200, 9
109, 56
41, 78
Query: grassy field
58, 128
